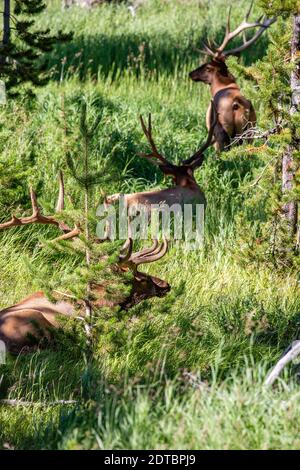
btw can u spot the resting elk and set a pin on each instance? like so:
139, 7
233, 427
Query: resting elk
30, 322
235, 112
185, 189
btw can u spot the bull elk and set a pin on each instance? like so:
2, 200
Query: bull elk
185, 189
235, 112
28, 323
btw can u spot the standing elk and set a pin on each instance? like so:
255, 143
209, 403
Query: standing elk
185, 189
28, 323
235, 112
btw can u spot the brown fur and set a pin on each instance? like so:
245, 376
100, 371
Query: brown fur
29, 323
235, 112
185, 188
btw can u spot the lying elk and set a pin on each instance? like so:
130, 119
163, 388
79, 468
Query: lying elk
185, 190
235, 112
27, 323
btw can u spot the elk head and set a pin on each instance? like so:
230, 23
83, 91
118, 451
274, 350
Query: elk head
216, 68
185, 189
182, 175
28, 323
144, 286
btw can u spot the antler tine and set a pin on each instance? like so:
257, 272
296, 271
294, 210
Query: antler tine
148, 133
146, 251
209, 43
145, 130
68, 236
34, 204
127, 248
154, 255
196, 159
244, 37
38, 218
229, 35
150, 125
207, 51
214, 43
60, 205
228, 21
263, 26
249, 11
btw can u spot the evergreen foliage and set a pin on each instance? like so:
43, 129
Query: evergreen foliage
265, 234
165, 373
94, 260
24, 47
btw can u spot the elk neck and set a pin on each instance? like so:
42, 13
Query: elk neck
186, 179
220, 82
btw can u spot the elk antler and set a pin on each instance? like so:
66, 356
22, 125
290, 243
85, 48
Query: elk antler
262, 23
61, 196
38, 218
147, 255
196, 160
163, 163
193, 162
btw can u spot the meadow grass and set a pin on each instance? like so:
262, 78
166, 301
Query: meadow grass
225, 322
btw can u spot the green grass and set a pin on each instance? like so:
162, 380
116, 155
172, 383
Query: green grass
224, 322
239, 414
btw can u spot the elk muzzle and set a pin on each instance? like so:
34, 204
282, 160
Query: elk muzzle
145, 287
200, 75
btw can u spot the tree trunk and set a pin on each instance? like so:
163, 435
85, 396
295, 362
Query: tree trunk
6, 22
6, 29
290, 209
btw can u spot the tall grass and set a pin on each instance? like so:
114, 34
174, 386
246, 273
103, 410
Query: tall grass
239, 414
223, 322
182, 413
162, 37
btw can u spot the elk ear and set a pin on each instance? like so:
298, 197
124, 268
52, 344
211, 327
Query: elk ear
223, 70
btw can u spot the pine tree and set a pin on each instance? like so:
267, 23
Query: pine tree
95, 259
271, 214
23, 48
290, 165
85, 178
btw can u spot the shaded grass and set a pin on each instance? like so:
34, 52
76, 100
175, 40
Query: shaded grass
163, 37
224, 321
238, 413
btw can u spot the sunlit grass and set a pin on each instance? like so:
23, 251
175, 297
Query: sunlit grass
224, 322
